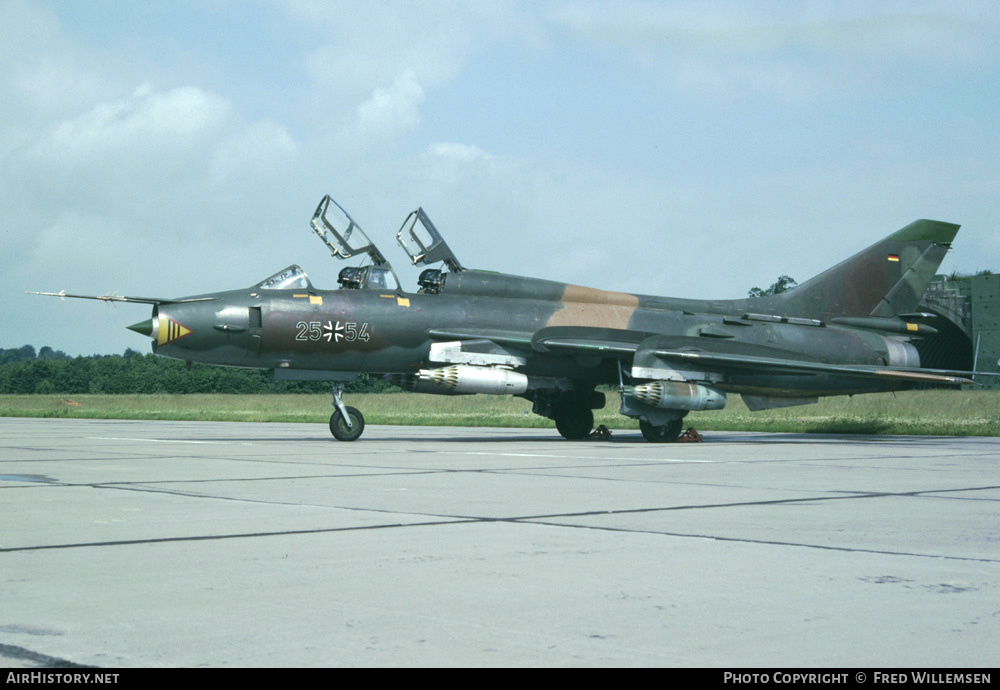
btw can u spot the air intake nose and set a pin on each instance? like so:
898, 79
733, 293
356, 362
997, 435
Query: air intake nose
143, 328
161, 328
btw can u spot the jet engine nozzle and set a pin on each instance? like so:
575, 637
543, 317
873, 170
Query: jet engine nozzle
673, 395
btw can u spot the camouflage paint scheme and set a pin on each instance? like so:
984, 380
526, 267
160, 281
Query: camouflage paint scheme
849, 330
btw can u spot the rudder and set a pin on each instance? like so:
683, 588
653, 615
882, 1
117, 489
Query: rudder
886, 279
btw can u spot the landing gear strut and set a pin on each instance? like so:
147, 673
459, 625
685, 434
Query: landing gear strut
347, 423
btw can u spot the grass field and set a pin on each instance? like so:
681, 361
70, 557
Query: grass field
945, 413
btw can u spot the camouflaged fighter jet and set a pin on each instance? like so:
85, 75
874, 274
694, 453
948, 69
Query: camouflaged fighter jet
852, 329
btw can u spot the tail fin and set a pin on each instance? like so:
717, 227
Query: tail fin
888, 278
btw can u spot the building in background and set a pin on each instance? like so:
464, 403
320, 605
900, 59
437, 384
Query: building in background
969, 330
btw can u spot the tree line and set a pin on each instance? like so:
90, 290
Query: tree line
25, 371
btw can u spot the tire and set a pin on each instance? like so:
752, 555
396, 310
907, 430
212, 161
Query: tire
339, 429
667, 433
574, 422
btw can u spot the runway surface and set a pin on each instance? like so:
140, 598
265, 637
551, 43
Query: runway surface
218, 544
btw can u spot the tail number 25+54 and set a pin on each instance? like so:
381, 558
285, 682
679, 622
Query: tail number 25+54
332, 332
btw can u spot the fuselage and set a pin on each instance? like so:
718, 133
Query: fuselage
850, 329
385, 331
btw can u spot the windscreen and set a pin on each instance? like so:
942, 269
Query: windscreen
291, 278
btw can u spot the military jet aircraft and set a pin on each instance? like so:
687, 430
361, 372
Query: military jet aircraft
852, 329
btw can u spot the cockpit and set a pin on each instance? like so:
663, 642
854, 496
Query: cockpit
291, 278
424, 245
345, 239
350, 278
367, 277
431, 281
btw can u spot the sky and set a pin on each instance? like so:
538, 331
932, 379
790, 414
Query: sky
685, 149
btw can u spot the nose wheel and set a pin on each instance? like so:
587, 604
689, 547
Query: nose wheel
346, 423
347, 427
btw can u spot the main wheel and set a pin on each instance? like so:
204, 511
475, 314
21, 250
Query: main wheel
574, 422
667, 433
339, 428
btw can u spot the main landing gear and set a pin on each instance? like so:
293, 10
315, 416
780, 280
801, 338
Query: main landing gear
660, 406
346, 423
664, 433
574, 421
571, 410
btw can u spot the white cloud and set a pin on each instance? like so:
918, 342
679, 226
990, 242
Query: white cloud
154, 142
257, 150
51, 84
181, 167
467, 169
149, 148
372, 57
42, 76
392, 110
729, 48
145, 120
460, 153
927, 29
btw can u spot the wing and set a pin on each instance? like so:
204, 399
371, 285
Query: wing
625, 344
770, 365
498, 336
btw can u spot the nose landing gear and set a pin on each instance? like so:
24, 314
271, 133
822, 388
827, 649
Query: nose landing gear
346, 423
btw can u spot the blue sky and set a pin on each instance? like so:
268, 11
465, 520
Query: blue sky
684, 149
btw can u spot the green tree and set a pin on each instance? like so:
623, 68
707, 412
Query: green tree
782, 284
